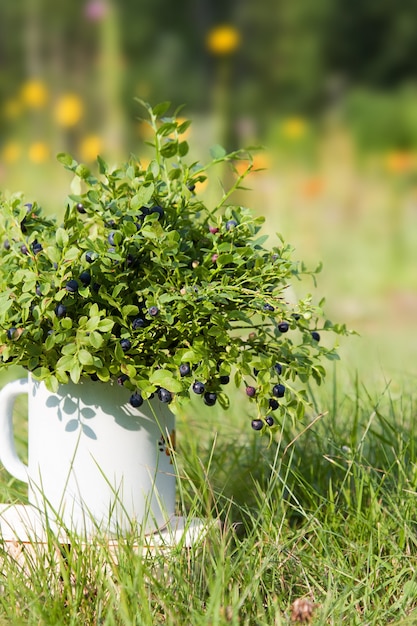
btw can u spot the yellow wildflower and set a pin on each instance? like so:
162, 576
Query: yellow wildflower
90, 147
223, 40
68, 110
34, 94
294, 128
11, 152
38, 152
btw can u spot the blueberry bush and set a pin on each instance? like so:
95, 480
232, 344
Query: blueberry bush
144, 284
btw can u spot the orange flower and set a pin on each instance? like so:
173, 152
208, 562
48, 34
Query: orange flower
260, 162
90, 147
312, 187
38, 152
223, 40
399, 161
34, 94
11, 152
68, 110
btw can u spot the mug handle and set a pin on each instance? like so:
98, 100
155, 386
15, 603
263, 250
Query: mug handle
8, 454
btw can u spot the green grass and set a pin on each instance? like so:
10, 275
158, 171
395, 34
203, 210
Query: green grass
326, 512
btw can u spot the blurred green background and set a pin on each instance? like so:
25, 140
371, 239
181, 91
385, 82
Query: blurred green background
328, 87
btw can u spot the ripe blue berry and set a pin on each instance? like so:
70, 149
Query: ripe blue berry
122, 379
85, 278
278, 368
36, 247
153, 310
198, 388
137, 323
157, 209
125, 344
210, 398
269, 420
90, 256
72, 286
224, 380
24, 250
111, 238
136, 399
80, 208
268, 307
11, 333
315, 335
278, 391
231, 224
164, 395
273, 404
185, 369
283, 327
250, 391
257, 424
60, 310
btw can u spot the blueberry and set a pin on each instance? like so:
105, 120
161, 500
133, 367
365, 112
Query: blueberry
60, 310
111, 238
270, 420
24, 250
80, 208
157, 209
72, 286
85, 278
273, 404
231, 224
268, 307
136, 399
278, 391
315, 335
278, 368
90, 256
11, 333
122, 379
6, 244
257, 424
283, 327
255, 371
164, 395
96, 287
250, 391
198, 388
153, 310
224, 380
38, 290
36, 247
210, 398
125, 344
137, 323
191, 187
185, 369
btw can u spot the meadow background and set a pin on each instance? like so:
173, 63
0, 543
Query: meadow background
330, 90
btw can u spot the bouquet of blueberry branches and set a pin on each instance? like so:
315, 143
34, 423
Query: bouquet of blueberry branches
144, 285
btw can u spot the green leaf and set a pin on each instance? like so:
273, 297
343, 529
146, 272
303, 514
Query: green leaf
95, 339
75, 372
85, 358
130, 309
161, 108
61, 237
67, 160
143, 195
105, 325
165, 378
170, 149
217, 152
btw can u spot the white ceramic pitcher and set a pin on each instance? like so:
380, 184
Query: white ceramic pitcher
94, 461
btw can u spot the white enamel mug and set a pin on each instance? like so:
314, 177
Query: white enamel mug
94, 461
